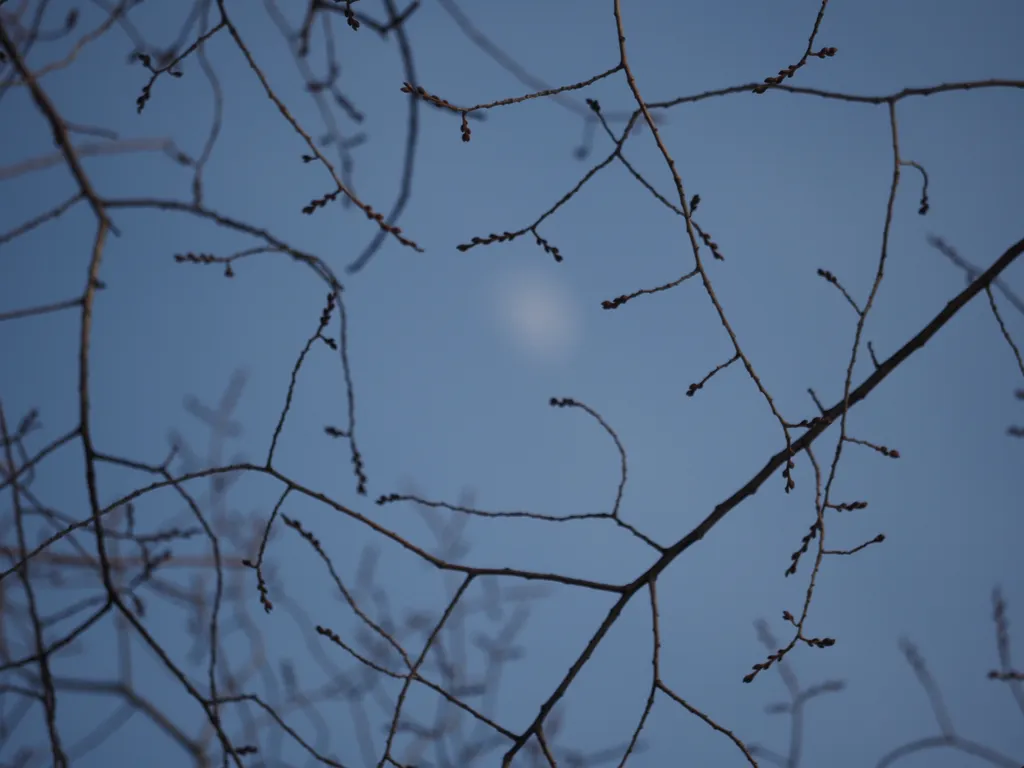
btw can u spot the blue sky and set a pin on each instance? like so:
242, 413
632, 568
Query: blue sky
455, 355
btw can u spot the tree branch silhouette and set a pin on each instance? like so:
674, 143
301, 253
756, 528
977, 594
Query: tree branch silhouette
196, 585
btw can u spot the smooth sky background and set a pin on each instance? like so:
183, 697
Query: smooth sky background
455, 355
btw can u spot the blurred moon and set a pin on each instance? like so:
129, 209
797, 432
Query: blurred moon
538, 314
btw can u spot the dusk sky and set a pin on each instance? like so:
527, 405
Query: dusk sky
454, 356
